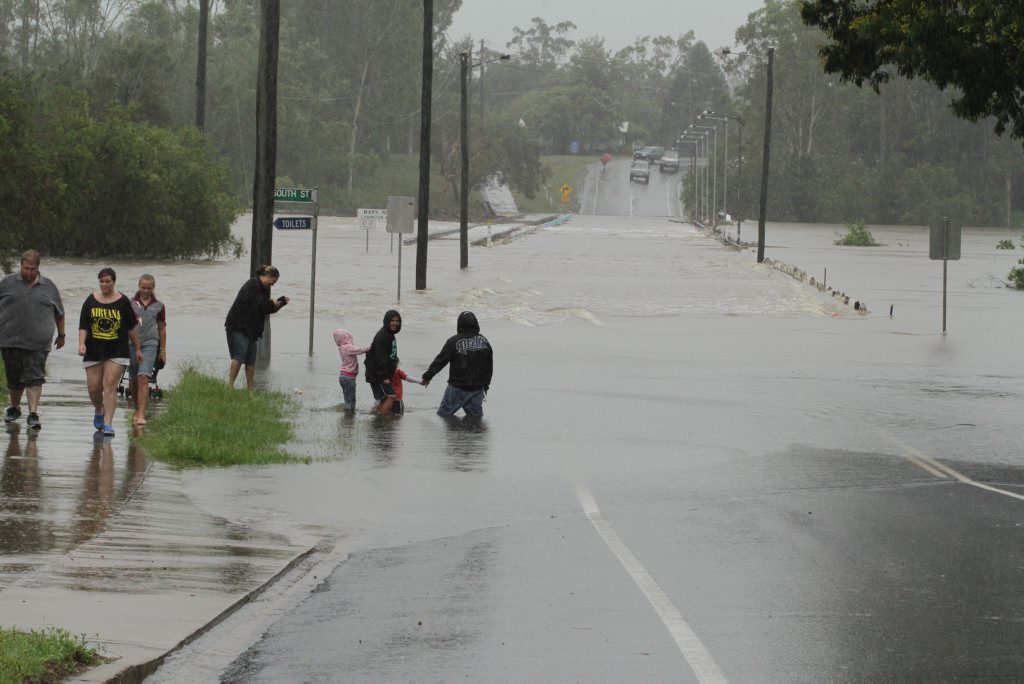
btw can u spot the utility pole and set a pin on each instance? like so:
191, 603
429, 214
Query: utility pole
204, 20
423, 207
464, 145
481, 82
266, 137
767, 148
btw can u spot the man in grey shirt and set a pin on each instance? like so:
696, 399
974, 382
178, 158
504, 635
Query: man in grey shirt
30, 310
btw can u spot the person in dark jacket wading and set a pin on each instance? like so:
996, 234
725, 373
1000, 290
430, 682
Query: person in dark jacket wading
470, 361
382, 360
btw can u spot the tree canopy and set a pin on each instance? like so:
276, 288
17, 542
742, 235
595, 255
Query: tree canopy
975, 47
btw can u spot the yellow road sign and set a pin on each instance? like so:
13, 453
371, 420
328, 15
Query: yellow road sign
566, 191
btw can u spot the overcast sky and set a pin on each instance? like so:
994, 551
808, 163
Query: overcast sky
619, 22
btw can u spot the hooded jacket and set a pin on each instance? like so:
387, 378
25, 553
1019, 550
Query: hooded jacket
348, 349
382, 356
468, 355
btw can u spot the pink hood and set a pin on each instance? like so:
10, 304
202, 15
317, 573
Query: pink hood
348, 350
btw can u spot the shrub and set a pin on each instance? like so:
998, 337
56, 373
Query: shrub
1016, 276
857, 236
1005, 244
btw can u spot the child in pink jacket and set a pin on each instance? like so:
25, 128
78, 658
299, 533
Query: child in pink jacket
349, 366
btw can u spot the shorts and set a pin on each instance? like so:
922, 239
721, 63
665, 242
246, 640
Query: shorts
381, 390
470, 401
118, 361
348, 390
150, 350
24, 367
241, 348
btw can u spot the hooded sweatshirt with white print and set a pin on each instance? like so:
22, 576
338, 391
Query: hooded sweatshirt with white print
348, 349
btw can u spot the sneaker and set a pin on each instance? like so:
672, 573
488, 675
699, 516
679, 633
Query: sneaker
13, 414
108, 430
33, 421
97, 421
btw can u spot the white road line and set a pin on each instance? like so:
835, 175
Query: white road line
668, 196
699, 658
942, 470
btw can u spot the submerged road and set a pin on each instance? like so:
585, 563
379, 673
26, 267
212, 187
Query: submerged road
692, 468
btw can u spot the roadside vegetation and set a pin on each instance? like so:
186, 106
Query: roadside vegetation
1005, 244
1016, 276
857, 236
206, 423
46, 656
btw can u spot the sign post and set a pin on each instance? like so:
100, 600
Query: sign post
400, 214
370, 219
944, 243
302, 196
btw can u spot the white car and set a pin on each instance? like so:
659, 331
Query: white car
640, 171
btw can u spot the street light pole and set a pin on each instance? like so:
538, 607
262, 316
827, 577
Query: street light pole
714, 173
465, 66
767, 147
693, 169
699, 182
708, 114
704, 138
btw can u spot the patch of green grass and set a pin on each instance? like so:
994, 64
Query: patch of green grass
206, 423
1005, 244
565, 170
857, 236
45, 656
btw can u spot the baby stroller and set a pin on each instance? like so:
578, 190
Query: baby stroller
125, 388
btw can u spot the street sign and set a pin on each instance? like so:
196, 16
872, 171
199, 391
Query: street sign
944, 240
566, 191
293, 195
293, 222
370, 219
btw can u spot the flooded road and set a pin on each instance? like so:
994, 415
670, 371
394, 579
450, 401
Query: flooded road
691, 465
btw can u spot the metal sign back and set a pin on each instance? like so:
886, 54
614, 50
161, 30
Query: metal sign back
944, 242
401, 211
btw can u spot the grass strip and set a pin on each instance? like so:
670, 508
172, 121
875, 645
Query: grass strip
206, 423
46, 656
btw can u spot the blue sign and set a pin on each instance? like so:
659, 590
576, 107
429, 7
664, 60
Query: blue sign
574, 147
293, 222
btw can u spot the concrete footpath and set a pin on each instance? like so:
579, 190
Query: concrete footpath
99, 540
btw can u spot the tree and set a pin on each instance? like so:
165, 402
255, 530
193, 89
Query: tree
973, 46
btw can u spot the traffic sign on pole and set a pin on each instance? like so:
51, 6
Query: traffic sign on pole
293, 222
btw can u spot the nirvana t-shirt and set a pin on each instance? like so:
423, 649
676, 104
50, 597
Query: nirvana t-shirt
106, 328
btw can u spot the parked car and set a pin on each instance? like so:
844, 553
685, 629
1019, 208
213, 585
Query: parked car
640, 171
669, 161
651, 153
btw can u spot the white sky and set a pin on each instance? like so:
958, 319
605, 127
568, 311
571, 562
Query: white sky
619, 22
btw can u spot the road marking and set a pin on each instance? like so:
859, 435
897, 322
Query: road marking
938, 469
668, 196
699, 658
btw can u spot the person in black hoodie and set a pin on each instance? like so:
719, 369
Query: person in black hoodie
470, 361
382, 360
245, 321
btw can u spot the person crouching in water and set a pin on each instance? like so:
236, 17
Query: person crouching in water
470, 361
382, 361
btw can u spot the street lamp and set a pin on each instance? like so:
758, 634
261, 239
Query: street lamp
767, 149
714, 173
704, 138
693, 169
716, 116
700, 182
464, 143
